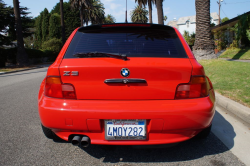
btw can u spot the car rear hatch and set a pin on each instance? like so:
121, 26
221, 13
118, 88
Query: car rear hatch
156, 62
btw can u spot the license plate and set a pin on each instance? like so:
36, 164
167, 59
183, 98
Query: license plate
125, 129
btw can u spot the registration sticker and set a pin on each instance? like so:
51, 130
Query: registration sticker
125, 129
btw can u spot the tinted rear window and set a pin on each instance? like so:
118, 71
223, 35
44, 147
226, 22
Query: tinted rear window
132, 42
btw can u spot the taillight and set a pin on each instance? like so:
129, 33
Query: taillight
197, 87
55, 88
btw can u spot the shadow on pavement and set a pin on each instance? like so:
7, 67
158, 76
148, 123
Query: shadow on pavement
184, 151
188, 150
222, 125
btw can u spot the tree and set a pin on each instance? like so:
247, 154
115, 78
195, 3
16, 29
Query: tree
54, 26
150, 3
109, 19
22, 57
71, 17
81, 5
204, 46
27, 23
224, 19
139, 15
159, 11
62, 22
45, 24
243, 29
94, 13
5, 17
165, 18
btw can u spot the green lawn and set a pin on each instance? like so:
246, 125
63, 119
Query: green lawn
236, 53
231, 79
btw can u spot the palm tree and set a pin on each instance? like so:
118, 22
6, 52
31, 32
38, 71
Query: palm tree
149, 3
109, 19
62, 21
139, 15
165, 18
81, 5
94, 13
204, 46
22, 57
159, 11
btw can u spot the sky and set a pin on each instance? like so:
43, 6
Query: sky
171, 8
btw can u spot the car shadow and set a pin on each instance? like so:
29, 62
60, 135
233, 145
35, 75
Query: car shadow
188, 150
223, 128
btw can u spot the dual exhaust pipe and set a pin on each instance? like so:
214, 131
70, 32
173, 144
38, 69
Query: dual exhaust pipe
83, 141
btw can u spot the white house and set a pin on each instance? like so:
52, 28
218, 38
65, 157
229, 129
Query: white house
189, 23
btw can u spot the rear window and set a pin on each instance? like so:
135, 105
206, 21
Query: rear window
132, 42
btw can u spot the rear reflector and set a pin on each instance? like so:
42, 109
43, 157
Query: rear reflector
56, 89
198, 87
126, 25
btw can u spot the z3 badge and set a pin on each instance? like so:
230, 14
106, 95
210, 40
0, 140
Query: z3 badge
70, 73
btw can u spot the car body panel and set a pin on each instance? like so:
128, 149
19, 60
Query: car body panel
161, 74
163, 116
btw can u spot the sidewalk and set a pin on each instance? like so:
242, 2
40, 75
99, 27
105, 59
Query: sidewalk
233, 107
31, 68
236, 60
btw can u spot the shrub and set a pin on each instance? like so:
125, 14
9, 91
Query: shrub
3, 57
234, 44
51, 48
53, 45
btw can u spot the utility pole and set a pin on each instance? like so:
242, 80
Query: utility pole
219, 8
126, 21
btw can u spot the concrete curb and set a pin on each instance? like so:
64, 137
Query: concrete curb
2, 73
235, 108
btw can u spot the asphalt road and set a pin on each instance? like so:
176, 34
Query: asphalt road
23, 143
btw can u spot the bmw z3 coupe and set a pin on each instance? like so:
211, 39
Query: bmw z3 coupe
126, 84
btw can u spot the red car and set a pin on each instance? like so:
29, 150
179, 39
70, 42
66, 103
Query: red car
126, 84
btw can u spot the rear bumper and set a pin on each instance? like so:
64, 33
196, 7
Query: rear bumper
168, 121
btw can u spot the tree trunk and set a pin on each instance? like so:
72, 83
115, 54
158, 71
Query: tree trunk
150, 10
159, 11
204, 45
22, 57
81, 16
62, 21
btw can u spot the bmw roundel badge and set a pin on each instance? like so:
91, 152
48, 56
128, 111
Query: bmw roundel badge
125, 72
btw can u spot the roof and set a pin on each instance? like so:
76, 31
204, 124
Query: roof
173, 24
192, 19
227, 24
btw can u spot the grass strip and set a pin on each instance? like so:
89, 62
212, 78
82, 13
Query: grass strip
236, 53
230, 78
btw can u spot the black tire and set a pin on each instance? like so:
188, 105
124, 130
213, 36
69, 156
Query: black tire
47, 132
204, 133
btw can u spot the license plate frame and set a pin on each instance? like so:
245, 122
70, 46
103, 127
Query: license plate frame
127, 122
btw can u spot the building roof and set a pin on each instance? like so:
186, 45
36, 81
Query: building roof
173, 23
227, 24
192, 19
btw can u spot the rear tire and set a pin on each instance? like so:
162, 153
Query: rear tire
204, 133
47, 132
